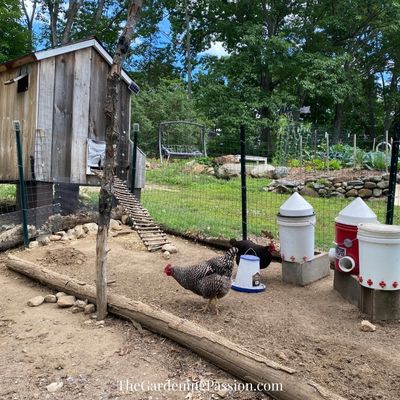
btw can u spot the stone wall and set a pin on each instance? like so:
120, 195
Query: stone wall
373, 187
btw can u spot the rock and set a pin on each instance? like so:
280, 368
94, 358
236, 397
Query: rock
280, 172
89, 309
223, 393
43, 240
166, 255
377, 192
170, 248
375, 178
35, 301
50, 298
263, 171
307, 191
54, 386
125, 219
115, 225
100, 323
287, 183
66, 301
71, 234
33, 244
283, 189
386, 177
351, 193
365, 193
75, 309
383, 184
79, 232
355, 183
54, 238
228, 159
366, 326
317, 186
60, 294
370, 185
81, 303
283, 356
227, 171
91, 228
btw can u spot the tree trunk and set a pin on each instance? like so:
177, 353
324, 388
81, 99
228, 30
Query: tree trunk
99, 12
240, 362
70, 15
337, 130
53, 7
112, 129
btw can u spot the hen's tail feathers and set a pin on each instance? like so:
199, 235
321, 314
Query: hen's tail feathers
232, 252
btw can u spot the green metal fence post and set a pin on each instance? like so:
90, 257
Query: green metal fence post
22, 191
134, 151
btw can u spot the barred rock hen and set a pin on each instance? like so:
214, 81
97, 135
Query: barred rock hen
210, 279
263, 252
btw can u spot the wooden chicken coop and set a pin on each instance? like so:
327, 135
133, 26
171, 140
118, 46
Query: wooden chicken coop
58, 95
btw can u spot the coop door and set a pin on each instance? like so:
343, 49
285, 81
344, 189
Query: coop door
96, 151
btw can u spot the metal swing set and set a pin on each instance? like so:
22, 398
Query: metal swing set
168, 150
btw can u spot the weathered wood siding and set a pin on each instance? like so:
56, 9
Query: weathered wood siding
98, 92
62, 117
44, 132
80, 115
22, 107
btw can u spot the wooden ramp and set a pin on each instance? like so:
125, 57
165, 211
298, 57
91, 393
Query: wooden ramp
151, 234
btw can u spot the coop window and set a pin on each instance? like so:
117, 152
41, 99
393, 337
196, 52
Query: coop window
23, 84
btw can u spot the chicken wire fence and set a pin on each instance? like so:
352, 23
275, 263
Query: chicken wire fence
202, 196
44, 200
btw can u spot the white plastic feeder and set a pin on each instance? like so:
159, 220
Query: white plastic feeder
248, 275
296, 221
379, 250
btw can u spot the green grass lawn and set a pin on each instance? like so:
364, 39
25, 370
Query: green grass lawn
201, 203
204, 204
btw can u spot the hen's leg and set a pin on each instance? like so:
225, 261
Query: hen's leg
207, 306
214, 303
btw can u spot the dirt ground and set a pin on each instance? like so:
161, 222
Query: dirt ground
310, 329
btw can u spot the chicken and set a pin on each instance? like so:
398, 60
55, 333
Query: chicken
210, 279
246, 247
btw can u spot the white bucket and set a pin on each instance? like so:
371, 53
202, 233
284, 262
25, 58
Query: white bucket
296, 236
248, 275
379, 250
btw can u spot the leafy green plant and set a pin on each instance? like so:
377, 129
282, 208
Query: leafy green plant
294, 162
376, 160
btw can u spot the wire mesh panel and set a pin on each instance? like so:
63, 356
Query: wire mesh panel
203, 195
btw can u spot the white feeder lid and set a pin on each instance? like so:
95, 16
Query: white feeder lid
296, 206
355, 213
379, 231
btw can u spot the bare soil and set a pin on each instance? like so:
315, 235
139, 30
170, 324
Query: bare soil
311, 329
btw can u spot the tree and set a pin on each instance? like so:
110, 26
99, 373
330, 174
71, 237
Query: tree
111, 111
14, 38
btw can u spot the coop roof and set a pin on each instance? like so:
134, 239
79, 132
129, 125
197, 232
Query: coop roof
67, 48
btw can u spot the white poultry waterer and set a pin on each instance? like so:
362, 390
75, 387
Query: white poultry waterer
379, 248
248, 275
296, 221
